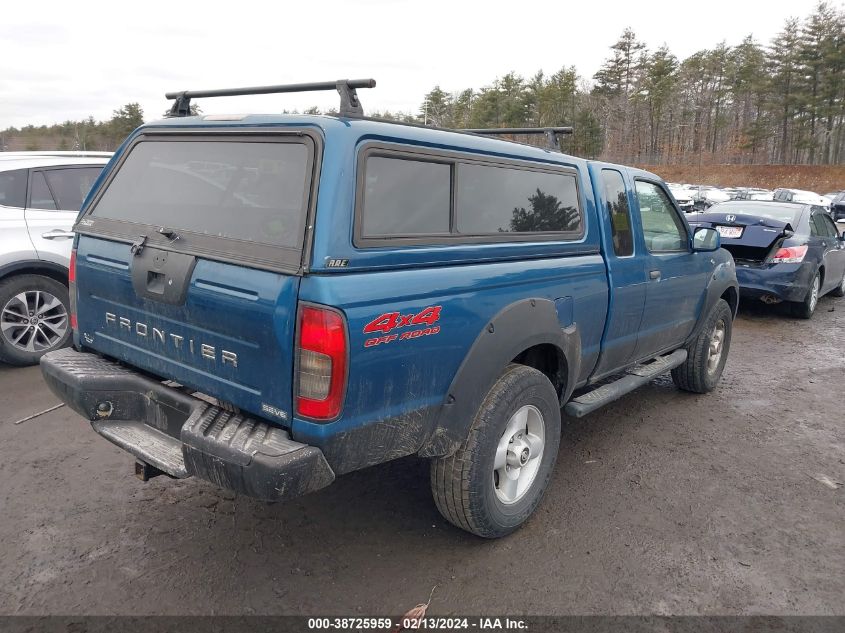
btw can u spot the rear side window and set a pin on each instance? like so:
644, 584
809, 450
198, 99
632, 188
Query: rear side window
822, 225
831, 226
405, 197
70, 186
425, 197
13, 188
619, 212
40, 197
236, 190
508, 200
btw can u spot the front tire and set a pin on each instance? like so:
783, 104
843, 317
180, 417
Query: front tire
496, 479
34, 318
708, 353
807, 308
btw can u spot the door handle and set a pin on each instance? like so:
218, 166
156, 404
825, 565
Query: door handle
654, 274
57, 234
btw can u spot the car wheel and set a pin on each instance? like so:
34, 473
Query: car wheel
806, 308
34, 318
496, 479
708, 353
839, 291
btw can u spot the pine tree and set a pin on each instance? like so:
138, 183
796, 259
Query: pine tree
783, 66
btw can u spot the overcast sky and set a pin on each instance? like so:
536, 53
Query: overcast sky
63, 60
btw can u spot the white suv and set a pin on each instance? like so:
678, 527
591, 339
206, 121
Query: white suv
40, 196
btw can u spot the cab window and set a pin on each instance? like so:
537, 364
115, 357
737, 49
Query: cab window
663, 230
620, 215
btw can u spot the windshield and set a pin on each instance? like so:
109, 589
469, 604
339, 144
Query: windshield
241, 190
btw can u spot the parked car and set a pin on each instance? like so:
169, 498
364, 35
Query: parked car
755, 194
706, 196
346, 291
684, 198
40, 196
837, 207
714, 195
783, 251
800, 195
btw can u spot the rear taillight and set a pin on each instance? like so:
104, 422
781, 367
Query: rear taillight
790, 255
322, 354
71, 283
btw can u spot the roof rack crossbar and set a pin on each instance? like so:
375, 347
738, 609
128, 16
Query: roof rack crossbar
350, 105
551, 133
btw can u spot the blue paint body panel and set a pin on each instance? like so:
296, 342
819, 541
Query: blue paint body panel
248, 312
615, 313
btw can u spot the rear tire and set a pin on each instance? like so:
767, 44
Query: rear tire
708, 353
807, 308
515, 434
34, 318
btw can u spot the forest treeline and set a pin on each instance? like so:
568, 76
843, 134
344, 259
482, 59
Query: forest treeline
777, 102
87, 134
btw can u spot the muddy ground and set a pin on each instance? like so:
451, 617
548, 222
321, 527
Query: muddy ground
664, 502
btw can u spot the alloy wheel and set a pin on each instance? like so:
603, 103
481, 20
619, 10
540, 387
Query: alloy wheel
717, 342
519, 454
34, 321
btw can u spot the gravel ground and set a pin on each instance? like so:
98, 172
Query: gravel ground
662, 503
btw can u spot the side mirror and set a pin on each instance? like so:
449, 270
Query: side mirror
706, 240
842, 237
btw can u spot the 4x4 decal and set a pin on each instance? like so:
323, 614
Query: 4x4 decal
389, 321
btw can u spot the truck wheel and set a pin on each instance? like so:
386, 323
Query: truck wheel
805, 309
707, 354
496, 479
34, 318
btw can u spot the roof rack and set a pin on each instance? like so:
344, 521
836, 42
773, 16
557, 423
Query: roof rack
551, 133
350, 106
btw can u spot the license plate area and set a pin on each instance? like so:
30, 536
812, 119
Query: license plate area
730, 232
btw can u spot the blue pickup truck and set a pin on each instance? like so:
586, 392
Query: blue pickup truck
268, 302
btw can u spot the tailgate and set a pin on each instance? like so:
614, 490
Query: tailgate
231, 338
188, 260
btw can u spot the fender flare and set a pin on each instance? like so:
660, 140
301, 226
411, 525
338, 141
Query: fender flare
35, 267
514, 329
722, 279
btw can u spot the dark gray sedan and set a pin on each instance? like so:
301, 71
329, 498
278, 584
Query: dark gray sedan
783, 251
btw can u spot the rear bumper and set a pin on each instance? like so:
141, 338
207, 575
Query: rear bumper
182, 435
786, 282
